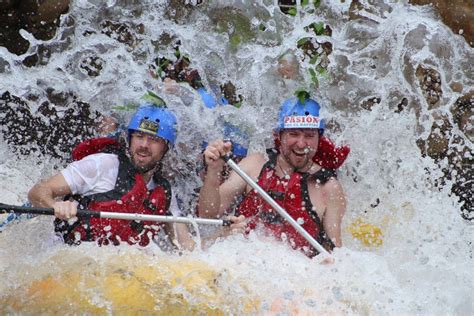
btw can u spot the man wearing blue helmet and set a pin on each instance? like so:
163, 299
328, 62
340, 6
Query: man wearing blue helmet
114, 177
309, 193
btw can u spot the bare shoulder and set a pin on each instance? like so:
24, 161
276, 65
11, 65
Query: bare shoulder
255, 158
326, 195
252, 164
332, 186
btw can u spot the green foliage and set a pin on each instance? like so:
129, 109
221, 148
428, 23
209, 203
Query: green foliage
292, 11
177, 53
160, 69
314, 77
322, 72
126, 107
302, 95
314, 59
155, 99
235, 40
318, 28
235, 24
148, 97
302, 41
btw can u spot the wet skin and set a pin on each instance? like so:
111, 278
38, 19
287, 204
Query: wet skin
298, 147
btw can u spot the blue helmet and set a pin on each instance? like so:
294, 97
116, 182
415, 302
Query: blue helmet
239, 139
154, 120
209, 100
294, 114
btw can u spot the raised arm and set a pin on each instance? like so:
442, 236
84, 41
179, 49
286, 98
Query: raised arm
335, 209
214, 197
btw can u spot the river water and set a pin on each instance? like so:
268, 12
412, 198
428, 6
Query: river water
419, 264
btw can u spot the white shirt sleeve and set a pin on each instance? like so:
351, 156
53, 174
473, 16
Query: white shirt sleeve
93, 174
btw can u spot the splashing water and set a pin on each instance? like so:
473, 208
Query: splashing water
418, 259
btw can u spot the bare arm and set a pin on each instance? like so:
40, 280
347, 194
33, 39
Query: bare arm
215, 198
335, 209
182, 238
224, 195
44, 193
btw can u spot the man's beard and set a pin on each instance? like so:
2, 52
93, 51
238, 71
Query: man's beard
143, 168
306, 159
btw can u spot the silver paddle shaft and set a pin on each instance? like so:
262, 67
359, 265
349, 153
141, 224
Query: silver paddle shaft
164, 219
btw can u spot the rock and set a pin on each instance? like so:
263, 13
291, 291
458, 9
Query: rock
179, 11
290, 6
53, 130
233, 22
229, 92
10, 25
375, 8
463, 115
430, 83
437, 144
402, 105
458, 15
39, 17
369, 103
444, 143
43, 11
122, 32
456, 87
92, 65
8, 4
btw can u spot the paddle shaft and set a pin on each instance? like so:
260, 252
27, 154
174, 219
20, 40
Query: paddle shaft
275, 205
5, 209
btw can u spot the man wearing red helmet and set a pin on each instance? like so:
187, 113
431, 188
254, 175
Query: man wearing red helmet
290, 174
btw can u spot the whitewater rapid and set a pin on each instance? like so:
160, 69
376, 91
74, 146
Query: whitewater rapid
424, 264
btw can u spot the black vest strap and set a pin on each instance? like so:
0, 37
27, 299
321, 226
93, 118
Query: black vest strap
161, 181
322, 176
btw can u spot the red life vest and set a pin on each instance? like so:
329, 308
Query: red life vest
130, 195
292, 195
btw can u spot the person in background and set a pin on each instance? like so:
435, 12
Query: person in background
174, 72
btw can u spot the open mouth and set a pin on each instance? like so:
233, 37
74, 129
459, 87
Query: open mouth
142, 155
300, 153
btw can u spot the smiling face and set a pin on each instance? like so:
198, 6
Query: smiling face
298, 146
146, 150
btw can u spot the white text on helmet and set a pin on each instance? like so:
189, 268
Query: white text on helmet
306, 121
